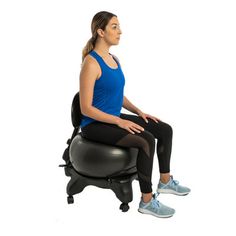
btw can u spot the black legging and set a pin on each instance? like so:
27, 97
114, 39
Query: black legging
144, 141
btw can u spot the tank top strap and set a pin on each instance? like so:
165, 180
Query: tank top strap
97, 57
116, 59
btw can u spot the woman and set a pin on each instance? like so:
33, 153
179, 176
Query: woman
101, 99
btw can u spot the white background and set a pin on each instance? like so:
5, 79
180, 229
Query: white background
179, 60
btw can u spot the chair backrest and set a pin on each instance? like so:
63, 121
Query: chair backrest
76, 115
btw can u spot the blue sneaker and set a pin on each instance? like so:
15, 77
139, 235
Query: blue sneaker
172, 187
155, 208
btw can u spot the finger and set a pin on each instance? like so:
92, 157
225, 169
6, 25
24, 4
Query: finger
155, 119
130, 131
145, 118
135, 125
136, 130
139, 127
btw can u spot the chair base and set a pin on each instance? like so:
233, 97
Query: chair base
120, 185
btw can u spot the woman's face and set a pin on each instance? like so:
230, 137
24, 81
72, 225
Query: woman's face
112, 32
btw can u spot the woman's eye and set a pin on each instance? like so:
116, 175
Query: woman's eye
116, 27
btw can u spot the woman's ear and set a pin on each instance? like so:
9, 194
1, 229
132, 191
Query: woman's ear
100, 33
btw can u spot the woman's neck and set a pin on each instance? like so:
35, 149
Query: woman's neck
102, 50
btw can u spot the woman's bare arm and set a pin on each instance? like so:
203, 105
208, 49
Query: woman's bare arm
130, 107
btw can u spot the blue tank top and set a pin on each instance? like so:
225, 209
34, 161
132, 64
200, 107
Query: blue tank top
108, 90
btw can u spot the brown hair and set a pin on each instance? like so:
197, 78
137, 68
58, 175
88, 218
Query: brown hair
99, 21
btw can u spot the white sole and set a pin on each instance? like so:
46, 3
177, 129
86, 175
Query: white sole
144, 211
171, 191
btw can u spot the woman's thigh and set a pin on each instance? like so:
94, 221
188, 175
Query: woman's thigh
140, 121
157, 129
103, 132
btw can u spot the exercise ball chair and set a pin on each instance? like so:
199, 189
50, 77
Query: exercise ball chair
98, 164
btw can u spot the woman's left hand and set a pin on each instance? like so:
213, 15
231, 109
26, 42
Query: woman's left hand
145, 116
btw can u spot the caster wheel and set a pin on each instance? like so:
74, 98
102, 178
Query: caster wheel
124, 207
70, 199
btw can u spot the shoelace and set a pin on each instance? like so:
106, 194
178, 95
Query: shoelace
155, 202
174, 182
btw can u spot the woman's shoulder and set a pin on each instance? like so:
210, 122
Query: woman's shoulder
90, 61
90, 66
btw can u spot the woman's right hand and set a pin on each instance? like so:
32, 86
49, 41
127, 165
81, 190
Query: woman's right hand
130, 126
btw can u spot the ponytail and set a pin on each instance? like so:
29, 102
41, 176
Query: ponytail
88, 47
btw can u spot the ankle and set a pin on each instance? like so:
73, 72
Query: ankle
146, 197
164, 181
165, 178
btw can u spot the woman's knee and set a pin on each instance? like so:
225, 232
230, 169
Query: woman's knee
149, 137
167, 130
